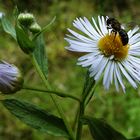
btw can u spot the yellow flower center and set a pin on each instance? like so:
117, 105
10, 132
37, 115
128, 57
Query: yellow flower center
111, 45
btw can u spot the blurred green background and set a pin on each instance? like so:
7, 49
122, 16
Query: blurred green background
120, 110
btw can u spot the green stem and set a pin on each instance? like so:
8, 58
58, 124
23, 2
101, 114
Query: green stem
79, 127
52, 92
53, 98
91, 93
76, 118
88, 91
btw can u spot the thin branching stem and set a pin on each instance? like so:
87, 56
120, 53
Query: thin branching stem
61, 94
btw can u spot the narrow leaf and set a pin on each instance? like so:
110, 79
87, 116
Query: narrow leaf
39, 52
36, 117
23, 39
45, 28
88, 85
40, 55
88, 98
100, 130
8, 27
15, 12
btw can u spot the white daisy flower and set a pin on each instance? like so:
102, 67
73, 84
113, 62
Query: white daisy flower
106, 55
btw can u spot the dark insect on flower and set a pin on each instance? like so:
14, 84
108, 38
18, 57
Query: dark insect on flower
113, 24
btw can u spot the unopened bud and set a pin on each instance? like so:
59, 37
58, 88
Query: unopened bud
11, 79
26, 19
35, 28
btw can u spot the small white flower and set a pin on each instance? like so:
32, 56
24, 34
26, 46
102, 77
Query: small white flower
1, 14
10, 78
106, 56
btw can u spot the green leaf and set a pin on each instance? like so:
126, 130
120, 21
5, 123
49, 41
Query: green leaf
15, 12
89, 96
8, 27
88, 86
36, 117
39, 52
137, 138
23, 39
40, 55
45, 28
89, 83
100, 130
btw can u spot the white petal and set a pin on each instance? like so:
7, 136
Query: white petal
119, 77
91, 29
111, 71
131, 32
78, 24
75, 42
100, 25
133, 60
135, 46
99, 69
104, 29
127, 76
94, 33
86, 63
87, 56
116, 81
97, 27
134, 52
135, 38
132, 71
79, 36
96, 62
79, 49
107, 75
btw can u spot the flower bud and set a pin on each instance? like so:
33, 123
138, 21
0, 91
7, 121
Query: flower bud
26, 19
11, 79
35, 28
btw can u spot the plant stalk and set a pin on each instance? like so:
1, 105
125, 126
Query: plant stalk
52, 92
59, 108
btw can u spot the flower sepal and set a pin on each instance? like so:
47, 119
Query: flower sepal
25, 43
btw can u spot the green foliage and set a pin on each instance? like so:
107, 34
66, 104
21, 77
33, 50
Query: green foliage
36, 117
88, 86
25, 43
119, 111
44, 29
8, 27
100, 130
39, 54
